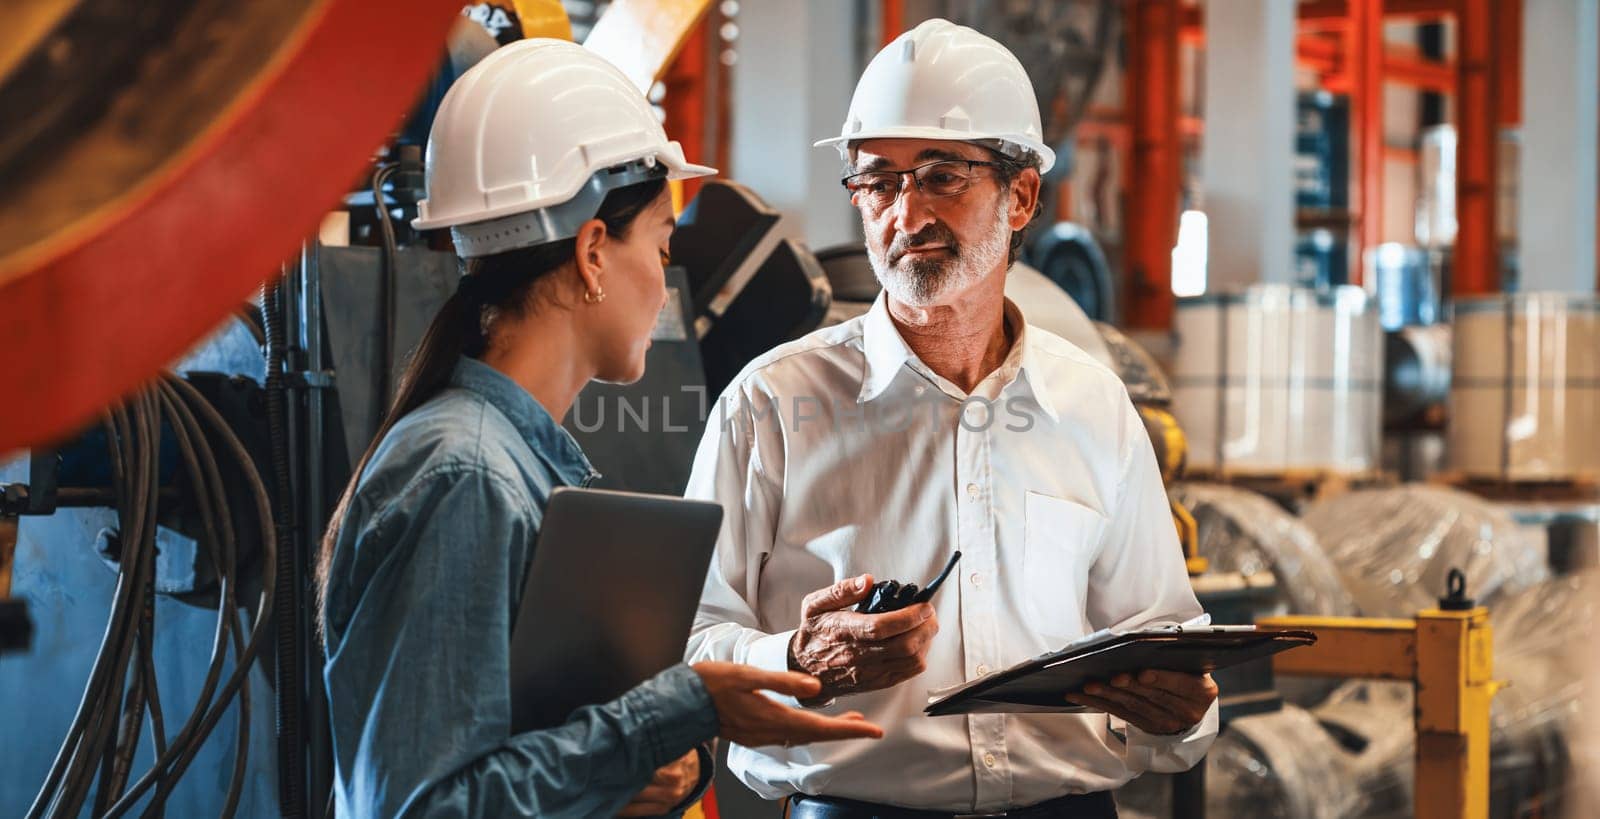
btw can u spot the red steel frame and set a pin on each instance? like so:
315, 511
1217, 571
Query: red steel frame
1476, 263
1342, 40
1154, 161
1365, 52
892, 21
684, 102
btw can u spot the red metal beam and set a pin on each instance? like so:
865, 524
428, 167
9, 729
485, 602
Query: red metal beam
1365, 51
1155, 161
1508, 63
1419, 9
685, 99
1476, 263
893, 21
1340, 9
1405, 65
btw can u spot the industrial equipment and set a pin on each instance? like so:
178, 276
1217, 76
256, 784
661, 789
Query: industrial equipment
1246, 533
170, 158
725, 238
192, 559
1068, 255
1446, 653
1277, 379
1322, 189
1416, 392
1391, 545
1525, 396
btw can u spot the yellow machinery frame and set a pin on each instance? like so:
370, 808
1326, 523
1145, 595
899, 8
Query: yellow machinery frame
1447, 656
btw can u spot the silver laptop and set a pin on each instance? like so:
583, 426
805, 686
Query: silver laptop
609, 599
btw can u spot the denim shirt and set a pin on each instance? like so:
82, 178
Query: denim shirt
426, 580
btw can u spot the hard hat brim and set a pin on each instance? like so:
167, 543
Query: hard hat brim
1047, 157
677, 168
688, 170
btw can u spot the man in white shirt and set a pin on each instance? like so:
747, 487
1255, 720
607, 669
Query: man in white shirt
940, 421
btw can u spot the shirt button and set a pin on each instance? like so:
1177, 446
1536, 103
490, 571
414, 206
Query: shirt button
975, 579
972, 490
982, 669
988, 760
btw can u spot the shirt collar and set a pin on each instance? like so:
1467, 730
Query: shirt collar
887, 352
1028, 364
549, 441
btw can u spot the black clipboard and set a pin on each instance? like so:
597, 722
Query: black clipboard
1039, 685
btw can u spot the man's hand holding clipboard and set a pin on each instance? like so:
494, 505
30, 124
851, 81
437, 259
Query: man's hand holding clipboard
1156, 702
1157, 679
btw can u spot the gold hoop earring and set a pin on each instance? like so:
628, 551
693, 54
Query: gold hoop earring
599, 295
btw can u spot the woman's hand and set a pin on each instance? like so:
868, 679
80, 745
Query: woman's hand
752, 719
672, 784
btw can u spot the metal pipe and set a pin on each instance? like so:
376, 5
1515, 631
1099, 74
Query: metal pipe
316, 723
1365, 50
1477, 254
1156, 161
290, 682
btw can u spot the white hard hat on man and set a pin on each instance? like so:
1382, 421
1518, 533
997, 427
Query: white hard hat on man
945, 81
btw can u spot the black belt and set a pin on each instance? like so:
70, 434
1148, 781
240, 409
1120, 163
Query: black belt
1077, 806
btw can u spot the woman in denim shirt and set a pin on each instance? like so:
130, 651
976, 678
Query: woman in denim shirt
550, 170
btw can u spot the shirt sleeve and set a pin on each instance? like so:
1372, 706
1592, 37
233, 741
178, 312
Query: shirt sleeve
729, 469
1139, 579
419, 677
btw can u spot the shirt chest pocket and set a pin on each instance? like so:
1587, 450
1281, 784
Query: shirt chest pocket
1060, 540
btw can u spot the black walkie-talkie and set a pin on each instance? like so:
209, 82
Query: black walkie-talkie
889, 595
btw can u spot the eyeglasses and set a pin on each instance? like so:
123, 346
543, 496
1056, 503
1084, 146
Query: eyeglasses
948, 177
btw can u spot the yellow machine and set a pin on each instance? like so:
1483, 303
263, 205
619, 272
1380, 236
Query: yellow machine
1447, 655
1445, 652
1172, 450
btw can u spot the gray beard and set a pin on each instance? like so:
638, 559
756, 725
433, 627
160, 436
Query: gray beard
927, 282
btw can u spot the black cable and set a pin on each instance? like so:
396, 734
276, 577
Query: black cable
171, 765
215, 539
118, 761
258, 631
122, 686
58, 766
211, 494
287, 672
137, 430
136, 552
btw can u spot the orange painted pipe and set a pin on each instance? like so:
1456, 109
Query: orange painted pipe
1155, 161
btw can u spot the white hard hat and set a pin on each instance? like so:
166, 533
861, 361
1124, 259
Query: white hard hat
944, 81
528, 141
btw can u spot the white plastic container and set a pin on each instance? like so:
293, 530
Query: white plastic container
1274, 379
1525, 395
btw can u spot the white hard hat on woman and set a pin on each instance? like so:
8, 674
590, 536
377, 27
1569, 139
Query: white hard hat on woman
527, 143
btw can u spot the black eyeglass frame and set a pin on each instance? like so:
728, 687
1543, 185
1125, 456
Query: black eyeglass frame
1000, 167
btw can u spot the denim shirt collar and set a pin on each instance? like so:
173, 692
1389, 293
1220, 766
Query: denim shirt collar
549, 441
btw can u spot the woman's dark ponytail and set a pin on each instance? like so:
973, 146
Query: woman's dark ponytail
491, 286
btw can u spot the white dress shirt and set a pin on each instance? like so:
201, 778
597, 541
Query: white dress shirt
841, 453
